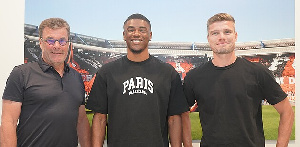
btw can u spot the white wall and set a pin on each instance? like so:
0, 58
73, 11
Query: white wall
297, 59
11, 38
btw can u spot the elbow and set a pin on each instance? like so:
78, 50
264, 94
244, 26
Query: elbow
291, 113
174, 119
185, 116
102, 118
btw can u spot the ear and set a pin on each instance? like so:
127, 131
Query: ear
150, 35
236, 36
40, 41
124, 36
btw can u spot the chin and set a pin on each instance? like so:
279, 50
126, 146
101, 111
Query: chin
136, 51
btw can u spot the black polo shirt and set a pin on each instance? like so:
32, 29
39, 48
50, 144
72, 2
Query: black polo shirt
50, 104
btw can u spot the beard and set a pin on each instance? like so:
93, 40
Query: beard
223, 51
136, 51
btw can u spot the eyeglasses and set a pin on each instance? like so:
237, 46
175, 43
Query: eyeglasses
62, 42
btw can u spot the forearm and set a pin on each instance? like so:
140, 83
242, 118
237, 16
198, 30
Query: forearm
84, 133
8, 135
175, 130
186, 129
98, 129
285, 129
9, 119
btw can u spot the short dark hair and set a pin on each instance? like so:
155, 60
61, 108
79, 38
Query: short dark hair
138, 16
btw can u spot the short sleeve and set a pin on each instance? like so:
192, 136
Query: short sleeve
188, 90
177, 103
97, 99
270, 88
82, 89
14, 89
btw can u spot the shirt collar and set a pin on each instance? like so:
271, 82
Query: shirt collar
44, 66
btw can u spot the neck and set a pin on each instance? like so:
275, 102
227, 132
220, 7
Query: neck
137, 57
222, 60
59, 68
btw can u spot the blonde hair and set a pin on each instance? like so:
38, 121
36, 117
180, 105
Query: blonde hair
220, 17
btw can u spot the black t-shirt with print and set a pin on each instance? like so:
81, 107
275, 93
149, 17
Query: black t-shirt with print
138, 98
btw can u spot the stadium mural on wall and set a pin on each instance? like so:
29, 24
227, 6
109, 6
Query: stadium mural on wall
88, 54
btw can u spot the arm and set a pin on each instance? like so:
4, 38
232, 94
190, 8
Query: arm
174, 124
98, 129
10, 114
286, 122
83, 128
186, 129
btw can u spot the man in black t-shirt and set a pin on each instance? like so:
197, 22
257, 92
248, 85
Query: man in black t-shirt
140, 97
43, 101
229, 91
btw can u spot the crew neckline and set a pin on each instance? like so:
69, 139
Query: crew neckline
141, 62
225, 67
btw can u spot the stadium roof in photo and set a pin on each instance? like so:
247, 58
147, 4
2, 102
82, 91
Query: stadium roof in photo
286, 45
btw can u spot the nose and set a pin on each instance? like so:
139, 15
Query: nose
221, 35
136, 33
56, 44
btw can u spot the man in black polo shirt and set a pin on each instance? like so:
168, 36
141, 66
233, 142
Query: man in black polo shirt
45, 97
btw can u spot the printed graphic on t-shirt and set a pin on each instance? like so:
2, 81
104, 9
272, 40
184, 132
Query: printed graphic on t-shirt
137, 85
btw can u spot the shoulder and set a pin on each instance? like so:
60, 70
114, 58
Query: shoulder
113, 64
73, 71
200, 69
256, 66
249, 63
20, 72
164, 67
198, 72
26, 67
110, 67
159, 62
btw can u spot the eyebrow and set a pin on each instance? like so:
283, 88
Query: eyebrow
138, 27
63, 38
214, 30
